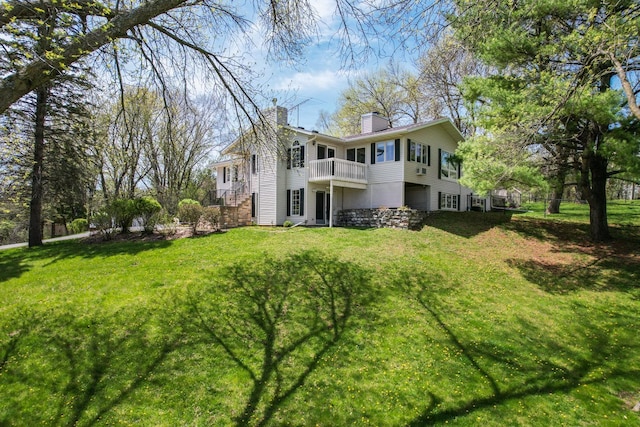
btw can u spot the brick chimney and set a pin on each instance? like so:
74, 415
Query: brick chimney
373, 122
278, 116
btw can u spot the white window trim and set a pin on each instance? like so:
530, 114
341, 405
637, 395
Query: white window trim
448, 166
295, 202
296, 160
389, 150
448, 202
424, 153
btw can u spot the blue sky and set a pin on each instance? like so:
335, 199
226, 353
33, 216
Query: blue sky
314, 83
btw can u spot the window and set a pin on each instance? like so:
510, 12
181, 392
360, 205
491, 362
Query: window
235, 173
448, 166
385, 151
449, 201
295, 202
420, 153
295, 156
227, 175
356, 155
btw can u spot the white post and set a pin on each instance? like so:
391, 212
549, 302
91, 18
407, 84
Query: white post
331, 204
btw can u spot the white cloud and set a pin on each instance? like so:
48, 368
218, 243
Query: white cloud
313, 81
325, 9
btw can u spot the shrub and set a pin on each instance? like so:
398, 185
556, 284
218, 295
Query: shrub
211, 214
287, 223
103, 222
166, 222
6, 229
190, 211
79, 225
147, 209
124, 212
187, 202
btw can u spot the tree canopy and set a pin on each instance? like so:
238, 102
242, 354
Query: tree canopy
553, 99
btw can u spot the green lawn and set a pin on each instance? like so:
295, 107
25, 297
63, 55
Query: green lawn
479, 319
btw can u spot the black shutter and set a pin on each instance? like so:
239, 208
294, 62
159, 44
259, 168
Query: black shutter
302, 156
288, 158
254, 163
408, 150
288, 202
224, 174
253, 205
428, 155
439, 163
373, 153
397, 150
459, 169
301, 201
439, 200
458, 202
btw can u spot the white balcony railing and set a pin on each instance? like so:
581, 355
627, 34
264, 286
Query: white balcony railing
337, 169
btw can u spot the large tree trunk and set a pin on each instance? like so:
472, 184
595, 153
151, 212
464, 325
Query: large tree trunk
557, 190
599, 226
37, 190
593, 185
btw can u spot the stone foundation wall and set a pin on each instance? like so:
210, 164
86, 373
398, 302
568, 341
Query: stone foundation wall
409, 219
236, 216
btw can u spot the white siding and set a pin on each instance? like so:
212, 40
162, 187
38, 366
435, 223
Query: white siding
356, 199
437, 138
390, 195
267, 200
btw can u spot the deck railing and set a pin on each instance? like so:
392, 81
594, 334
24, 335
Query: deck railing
344, 170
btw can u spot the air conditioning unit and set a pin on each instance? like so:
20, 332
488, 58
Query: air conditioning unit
421, 171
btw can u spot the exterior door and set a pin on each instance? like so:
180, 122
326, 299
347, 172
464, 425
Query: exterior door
325, 152
320, 208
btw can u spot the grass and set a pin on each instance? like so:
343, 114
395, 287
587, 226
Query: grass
491, 319
619, 213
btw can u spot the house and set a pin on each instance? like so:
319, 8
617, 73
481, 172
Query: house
307, 177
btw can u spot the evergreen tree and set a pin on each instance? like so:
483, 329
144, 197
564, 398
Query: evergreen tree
552, 96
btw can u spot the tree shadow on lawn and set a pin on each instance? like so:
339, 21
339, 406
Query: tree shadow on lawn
279, 321
15, 262
72, 370
467, 224
542, 365
609, 266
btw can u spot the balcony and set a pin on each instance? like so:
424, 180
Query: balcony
343, 173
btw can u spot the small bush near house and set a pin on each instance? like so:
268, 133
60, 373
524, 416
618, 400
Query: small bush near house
211, 215
287, 223
147, 209
190, 211
124, 212
79, 225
